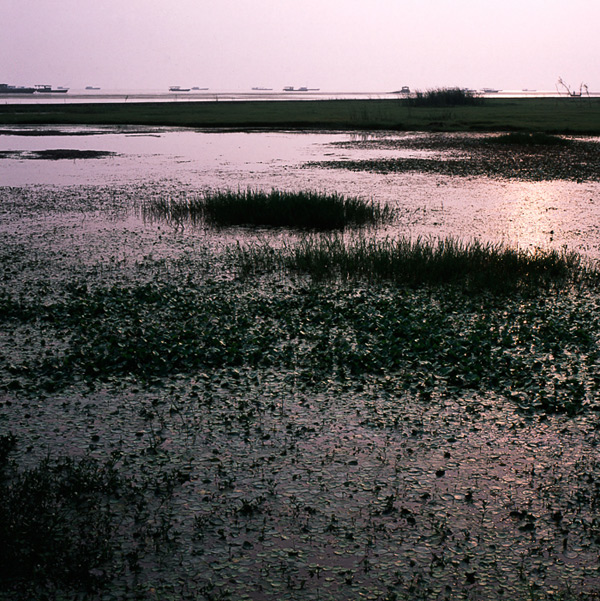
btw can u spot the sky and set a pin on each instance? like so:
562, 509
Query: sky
333, 45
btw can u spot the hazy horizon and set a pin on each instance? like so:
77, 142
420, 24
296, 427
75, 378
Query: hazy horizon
334, 45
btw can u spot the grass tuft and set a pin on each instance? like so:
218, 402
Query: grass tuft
301, 210
440, 97
54, 524
417, 262
528, 139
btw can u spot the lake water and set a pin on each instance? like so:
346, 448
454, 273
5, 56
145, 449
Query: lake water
544, 214
76, 96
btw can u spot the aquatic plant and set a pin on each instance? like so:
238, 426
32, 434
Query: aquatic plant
343, 439
71, 527
519, 156
55, 525
303, 210
419, 261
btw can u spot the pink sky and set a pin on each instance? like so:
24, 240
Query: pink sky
334, 45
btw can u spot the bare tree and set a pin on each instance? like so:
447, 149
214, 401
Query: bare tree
561, 85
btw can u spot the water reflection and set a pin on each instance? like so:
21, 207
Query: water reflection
550, 214
164, 160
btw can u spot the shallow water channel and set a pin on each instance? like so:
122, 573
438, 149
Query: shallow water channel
557, 213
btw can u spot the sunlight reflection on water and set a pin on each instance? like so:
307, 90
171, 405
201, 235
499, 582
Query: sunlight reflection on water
545, 214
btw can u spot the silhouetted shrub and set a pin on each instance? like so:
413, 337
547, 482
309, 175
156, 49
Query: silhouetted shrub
441, 97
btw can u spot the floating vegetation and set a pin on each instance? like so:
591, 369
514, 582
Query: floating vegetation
518, 156
302, 210
535, 346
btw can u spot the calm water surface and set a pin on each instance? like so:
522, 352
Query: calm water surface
553, 214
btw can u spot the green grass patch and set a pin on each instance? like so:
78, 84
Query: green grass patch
549, 115
302, 210
418, 262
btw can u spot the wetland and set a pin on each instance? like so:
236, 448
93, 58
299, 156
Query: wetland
200, 409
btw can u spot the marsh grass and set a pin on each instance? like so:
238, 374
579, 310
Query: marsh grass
55, 525
418, 262
301, 210
552, 115
528, 139
71, 527
441, 97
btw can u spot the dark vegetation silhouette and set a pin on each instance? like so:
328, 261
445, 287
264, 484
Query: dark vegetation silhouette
441, 97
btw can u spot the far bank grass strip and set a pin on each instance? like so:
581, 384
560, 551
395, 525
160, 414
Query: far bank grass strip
417, 262
548, 115
301, 210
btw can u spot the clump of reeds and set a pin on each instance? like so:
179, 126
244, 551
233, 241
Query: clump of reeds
528, 139
416, 262
302, 210
441, 97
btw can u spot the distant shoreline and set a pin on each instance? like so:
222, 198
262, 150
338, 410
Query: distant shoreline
578, 116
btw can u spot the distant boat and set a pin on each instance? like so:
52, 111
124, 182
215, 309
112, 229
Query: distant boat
301, 89
178, 89
259, 89
402, 90
196, 89
46, 89
91, 88
6, 89
489, 91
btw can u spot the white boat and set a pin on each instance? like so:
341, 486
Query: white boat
178, 89
301, 89
46, 89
